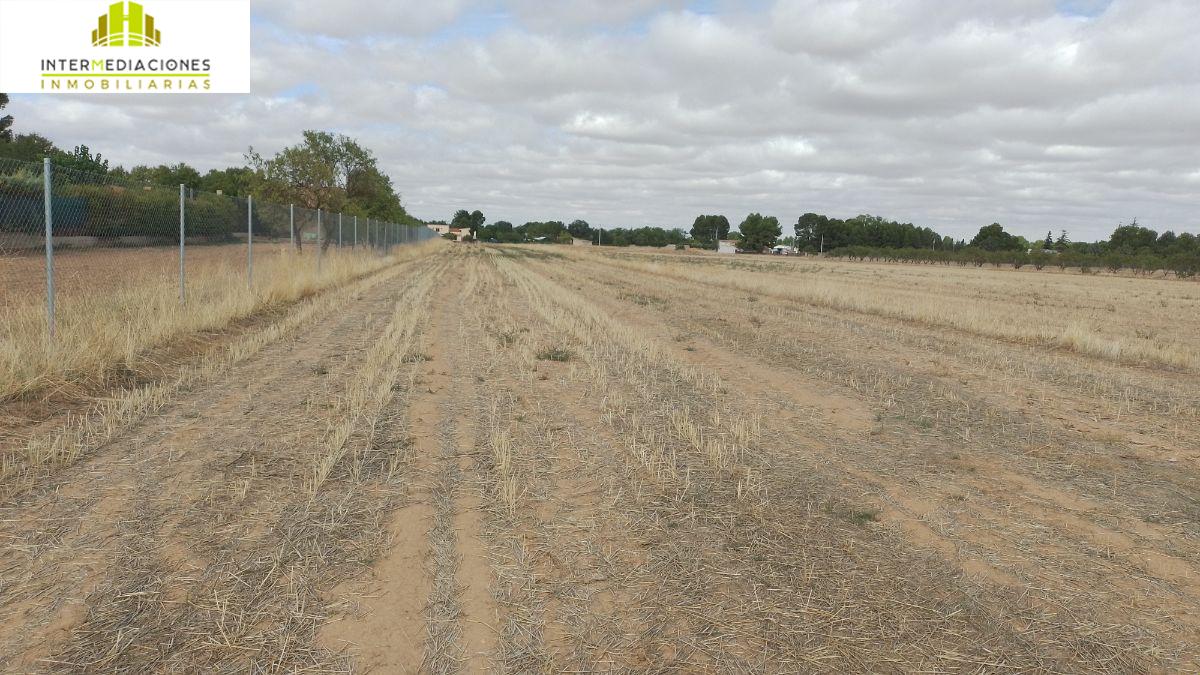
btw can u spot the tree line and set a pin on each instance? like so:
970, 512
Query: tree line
558, 232
323, 171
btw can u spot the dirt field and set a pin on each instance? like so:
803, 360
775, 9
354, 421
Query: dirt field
545, 459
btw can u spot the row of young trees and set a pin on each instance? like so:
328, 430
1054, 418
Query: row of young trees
323, 171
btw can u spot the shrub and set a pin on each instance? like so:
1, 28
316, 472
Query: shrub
555, 354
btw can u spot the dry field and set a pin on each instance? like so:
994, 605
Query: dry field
546, 459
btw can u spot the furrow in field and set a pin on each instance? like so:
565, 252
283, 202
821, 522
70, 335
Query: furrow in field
714, 545
1055, 544
1026, 439
213, 526
781, 461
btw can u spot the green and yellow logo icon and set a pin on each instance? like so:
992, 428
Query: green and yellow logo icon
126, 25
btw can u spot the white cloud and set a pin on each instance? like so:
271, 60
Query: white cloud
953, 115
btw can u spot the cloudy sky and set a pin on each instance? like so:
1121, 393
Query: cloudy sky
1039, 114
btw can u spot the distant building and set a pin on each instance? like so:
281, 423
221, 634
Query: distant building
728, 246
576, 241
459, 233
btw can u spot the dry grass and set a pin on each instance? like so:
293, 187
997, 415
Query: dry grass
1120, 319
102, 328
706, 484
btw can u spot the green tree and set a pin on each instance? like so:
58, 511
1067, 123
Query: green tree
1048, 243
1062, 242
580, 229
6, 134
82, 159
461, 220
759, 232
169, 176
314, 173
708, 230
234, 181
1132, 237
477, 221
994, 238
370, 193
29, 148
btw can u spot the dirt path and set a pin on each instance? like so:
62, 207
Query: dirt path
161, 531
426, 605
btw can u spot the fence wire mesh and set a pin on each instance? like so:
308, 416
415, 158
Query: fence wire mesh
108, 231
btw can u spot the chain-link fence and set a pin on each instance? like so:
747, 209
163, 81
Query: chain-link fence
67, 233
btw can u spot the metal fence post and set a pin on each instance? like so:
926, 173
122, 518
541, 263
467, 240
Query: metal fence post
318, 241
182, 231
49, 194
339, 230
292, 223
250, 240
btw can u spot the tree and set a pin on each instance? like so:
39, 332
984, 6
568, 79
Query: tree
170, 176
1048, 244
580, 229
370, 193
234, 181
29, 148
82, 159
6, 134
461, 220
759, 232
1062, 243
1132, 237
708, 230
326, 171
477, 221
315, 173
994, 238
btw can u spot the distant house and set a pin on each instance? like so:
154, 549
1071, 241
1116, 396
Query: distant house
728, 246
459, 233
576, 241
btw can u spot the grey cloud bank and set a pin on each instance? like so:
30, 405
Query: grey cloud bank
951, 115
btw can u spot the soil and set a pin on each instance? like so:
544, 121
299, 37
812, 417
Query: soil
584, 467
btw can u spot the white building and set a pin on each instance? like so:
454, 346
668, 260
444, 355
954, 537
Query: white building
728, 246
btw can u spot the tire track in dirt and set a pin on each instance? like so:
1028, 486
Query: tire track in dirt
385, 628
426, 604
1011, 491
561, 563
140, 487
1020, 626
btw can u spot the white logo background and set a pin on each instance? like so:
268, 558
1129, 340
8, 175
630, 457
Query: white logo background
34, 30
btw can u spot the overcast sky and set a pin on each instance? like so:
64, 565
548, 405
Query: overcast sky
1039, 114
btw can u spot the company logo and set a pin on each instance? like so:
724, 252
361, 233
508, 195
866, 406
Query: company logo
44, 47
126, 25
